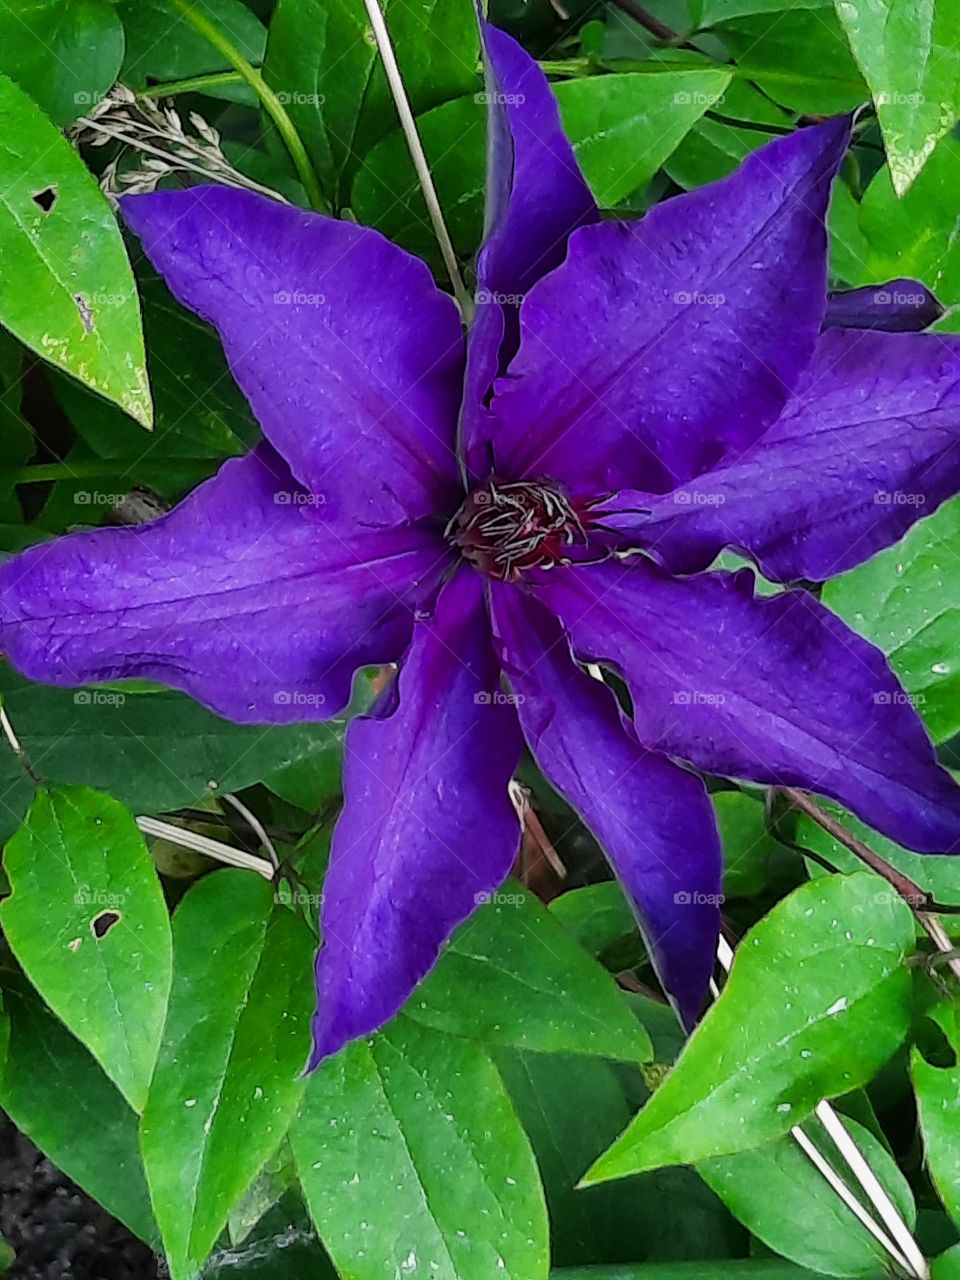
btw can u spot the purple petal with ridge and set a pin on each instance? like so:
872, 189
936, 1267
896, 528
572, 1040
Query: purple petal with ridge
238, 597
349, 354
428, 829
899, 306
660, 345
653, 820
776, 690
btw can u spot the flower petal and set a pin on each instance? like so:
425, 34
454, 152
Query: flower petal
866, 446
653, 819
661, 344
240, 597
350, 356
536, 195
776, 690
427, 827
899, 306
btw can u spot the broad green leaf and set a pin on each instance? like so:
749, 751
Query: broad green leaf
800, 58
228, 1078
511, 975
938, 1103
88, 922
817, 1001
740, 1269
714, 12
598, 915
623, 127
66, 56
947, 1266
748, 847
322, 61
910, 57
906, 601
711, 150
570, 1108
153, 751
66, 288
162, 45
54, 1092
413, 1162
786, 1203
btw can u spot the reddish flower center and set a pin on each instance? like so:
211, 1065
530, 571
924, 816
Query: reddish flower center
503, 529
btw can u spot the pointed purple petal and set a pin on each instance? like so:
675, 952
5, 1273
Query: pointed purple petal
899, 306
653, 819
239, 597
350, 356
867, 445
661, 344
427, 829
536, 195
775, 690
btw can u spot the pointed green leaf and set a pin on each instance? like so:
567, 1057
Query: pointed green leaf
66, 288
817, 1001
88, 922
938, 1102
413, 1162
229, 1074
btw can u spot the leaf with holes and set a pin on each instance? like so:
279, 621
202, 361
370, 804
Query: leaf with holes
817, 1001
412, 1161
228, 1078
66, 288
87, 921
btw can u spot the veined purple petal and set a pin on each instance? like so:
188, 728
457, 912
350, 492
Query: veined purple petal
349, 354
238, 597
653, 819
427, 828
536, 195
660, 345
775, 690
868, 444
899, 306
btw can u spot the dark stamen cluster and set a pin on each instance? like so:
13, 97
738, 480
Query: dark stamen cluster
503, 529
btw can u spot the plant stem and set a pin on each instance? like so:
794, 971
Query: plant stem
271, 103
916, 898
194, 84
659, 30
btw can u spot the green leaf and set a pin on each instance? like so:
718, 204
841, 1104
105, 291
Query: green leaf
786, 1203
748, 847
322, 60
65, 283
739, 1269
947, 1266
710, 151
598, 915
906, 601
153, 751
413, 1162
938, 1103
571, 1108
511, 975
623, 127
54, 1092
66, 56
162, 45
910, 58
87, 921
228, 1078
817, 1001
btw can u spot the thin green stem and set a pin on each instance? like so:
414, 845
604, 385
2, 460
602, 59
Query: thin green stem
193, 84
271, 103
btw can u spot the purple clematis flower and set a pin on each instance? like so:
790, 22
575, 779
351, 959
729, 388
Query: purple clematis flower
548, 494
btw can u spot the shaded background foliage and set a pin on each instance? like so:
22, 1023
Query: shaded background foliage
450, 1144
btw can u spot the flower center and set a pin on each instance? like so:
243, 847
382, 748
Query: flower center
503, 529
